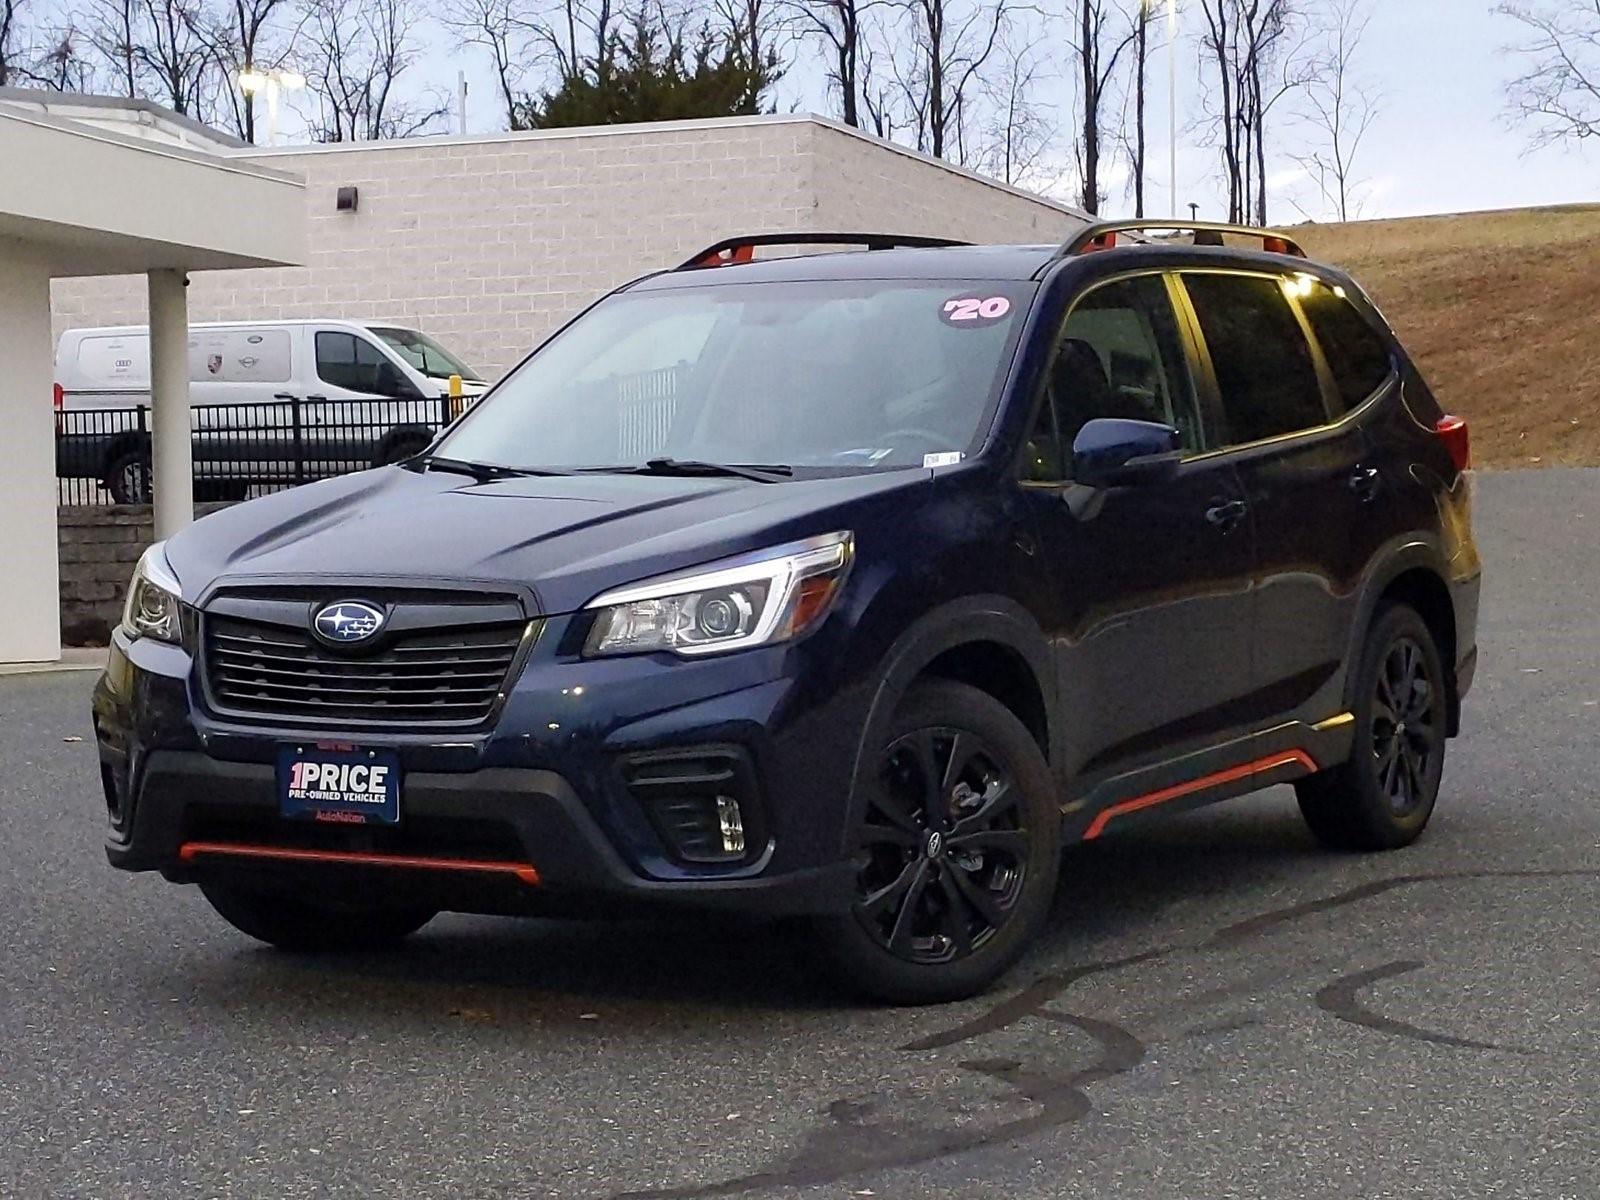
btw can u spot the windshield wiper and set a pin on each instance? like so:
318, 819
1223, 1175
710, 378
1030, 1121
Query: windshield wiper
759, 472
482, 472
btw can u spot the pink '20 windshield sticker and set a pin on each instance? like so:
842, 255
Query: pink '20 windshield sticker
972, 311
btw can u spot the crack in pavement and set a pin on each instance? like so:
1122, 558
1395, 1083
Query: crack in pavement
1341, 999
847, 1146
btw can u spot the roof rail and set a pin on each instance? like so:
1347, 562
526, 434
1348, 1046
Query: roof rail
1103, 236
742, 249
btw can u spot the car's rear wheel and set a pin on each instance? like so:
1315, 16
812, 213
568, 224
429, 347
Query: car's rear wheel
294, 923
957, 847
1382, 797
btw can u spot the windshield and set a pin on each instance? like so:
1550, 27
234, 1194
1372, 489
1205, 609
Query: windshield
426, 355
832, 375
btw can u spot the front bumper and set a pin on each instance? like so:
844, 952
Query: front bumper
532, 816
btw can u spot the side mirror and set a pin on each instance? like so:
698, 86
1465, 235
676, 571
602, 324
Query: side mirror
395, 385
1110, 452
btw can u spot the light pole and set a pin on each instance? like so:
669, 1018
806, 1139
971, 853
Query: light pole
271, 83
1172, 97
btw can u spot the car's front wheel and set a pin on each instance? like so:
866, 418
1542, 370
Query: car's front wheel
1382, 796
293, 923
957, 849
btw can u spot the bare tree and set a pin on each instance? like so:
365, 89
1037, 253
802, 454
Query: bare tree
1136, 141
114, 29
1103, 35
358, 50
1256, 51
175, 54
1338, 107
240, 35
11, 53
1017, 128
839, 26
950, 43
498, 27
1559, 92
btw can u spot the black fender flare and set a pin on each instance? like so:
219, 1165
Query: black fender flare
1407, 553
994, 619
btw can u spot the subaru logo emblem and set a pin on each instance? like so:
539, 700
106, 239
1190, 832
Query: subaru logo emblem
347, 622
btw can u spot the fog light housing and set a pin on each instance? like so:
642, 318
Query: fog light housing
732, 825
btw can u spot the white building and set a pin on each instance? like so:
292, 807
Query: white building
488, 242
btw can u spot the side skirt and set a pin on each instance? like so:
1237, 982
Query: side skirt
1281, 754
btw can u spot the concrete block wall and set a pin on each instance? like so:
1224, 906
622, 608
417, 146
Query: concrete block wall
488, 243
98, 548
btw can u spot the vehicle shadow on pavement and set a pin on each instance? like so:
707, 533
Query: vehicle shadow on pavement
552, 971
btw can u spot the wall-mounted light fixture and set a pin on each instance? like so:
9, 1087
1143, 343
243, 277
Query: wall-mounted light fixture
347, 199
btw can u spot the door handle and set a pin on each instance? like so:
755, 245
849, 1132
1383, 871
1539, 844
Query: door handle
1365, 482
1225, 514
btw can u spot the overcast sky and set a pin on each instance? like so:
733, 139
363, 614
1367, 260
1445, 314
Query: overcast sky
1441, 143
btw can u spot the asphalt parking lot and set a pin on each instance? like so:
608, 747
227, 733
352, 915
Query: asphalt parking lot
1220, 1009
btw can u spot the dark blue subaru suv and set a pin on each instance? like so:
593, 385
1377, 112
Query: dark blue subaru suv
847, 585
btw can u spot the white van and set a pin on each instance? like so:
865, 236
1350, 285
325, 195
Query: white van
274, 402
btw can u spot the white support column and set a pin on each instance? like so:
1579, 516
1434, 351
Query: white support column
31, 630
171, 451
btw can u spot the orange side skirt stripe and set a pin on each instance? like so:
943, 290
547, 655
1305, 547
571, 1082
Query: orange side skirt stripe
190, 851
1272, 762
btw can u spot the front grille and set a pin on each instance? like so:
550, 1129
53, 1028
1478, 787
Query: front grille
427, 677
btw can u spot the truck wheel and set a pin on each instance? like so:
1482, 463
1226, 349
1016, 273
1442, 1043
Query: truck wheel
958, 847
1382, 796
294, 923
127, 475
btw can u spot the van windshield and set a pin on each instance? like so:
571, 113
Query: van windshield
425, 354
834, 375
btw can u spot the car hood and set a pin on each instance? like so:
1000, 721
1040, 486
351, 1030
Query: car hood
568, 538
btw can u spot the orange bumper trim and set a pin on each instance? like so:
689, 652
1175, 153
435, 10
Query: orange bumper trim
525, 872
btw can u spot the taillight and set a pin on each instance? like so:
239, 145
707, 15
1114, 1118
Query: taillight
1452, 432
58, 396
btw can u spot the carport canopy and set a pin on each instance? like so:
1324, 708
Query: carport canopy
80, 200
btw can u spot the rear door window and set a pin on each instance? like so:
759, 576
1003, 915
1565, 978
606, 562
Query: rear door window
1357, 356
1265, 371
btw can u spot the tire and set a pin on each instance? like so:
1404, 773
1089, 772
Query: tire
1382, 796
976, 898
291, 923
127, 475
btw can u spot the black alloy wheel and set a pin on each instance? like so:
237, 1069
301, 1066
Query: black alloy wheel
1406, 715
956, 847
1383, 795
945, 845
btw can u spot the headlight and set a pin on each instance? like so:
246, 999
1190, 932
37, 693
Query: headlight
152, 606
748, 601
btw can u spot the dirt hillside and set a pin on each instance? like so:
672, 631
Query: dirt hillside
1502, 311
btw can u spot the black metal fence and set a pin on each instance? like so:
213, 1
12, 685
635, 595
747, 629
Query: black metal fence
243, 450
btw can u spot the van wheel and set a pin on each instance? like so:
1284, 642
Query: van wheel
401, 445
957, 851
293, 923
128, 476
1382, 796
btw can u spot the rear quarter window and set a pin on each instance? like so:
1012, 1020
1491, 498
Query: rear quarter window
1357, 355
